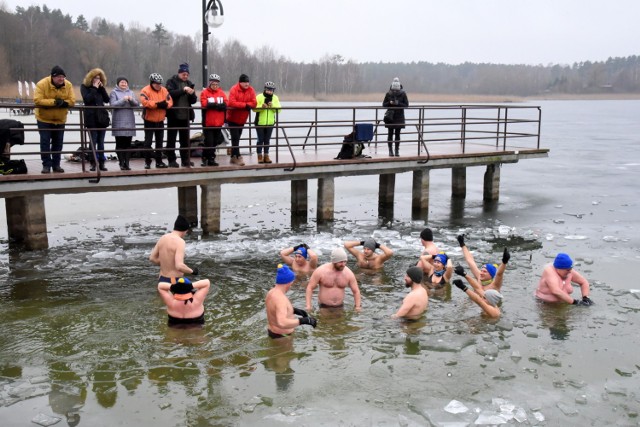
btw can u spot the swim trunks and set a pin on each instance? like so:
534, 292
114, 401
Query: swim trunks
322, 305
173, 321
163, 279
274, 336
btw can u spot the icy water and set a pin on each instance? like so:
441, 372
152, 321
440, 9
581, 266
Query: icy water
84, 338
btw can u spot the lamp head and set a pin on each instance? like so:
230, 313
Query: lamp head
214, 15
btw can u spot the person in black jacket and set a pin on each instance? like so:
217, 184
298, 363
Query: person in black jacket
396, 100
96, 120
184, 95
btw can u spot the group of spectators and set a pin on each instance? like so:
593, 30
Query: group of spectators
172, 102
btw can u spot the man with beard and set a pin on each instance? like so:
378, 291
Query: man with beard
333, 278
415, 303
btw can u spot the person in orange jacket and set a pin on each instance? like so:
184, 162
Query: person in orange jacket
214, 101
156, 100
242, 98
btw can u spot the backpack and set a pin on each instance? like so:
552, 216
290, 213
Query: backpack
12, 167
351, 148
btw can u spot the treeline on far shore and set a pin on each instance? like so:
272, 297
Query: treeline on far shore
27, 54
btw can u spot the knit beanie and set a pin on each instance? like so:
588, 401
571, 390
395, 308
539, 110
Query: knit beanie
415, 274
119, 79
284, 276
183, 68
493, 297
57, 71
442, 258
395, 84
243, 78
563, 261
492, 269
427, 235
338, 255
370, 244
181, 224
182, 290
302, 252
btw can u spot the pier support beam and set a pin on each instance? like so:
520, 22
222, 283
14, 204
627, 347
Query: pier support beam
420, 195
492, 183
386, 195
326, 200
459, 182
27, 221
188, 203
299, 203
210, 208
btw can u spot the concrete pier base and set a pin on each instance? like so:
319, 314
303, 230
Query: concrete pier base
420, 195
459, 182
492, 183
386, 195
188, 203
326, 200
210, 208
27, 221
299, 202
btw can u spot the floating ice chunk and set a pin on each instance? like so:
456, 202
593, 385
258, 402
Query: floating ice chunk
595, 202
520, 415
538, 416
504, 230
566, 409
45, 420
456, 407
549, 237
558, 221
489, 417
575, 237
610, 239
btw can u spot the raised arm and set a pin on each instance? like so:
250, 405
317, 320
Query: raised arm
202, 289
448, 274
313, 258
386, 252
285, 255
580, 280
468, 257
350, 246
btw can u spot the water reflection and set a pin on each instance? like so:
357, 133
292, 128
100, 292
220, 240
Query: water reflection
554, 317
277, 358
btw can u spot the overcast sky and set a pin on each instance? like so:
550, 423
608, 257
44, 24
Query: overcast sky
450, 31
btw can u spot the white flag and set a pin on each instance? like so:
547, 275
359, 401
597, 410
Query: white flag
26, 88
20, 88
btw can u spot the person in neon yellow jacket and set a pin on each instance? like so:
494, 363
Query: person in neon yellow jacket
267, 107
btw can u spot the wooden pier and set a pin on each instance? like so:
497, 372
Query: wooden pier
436, 137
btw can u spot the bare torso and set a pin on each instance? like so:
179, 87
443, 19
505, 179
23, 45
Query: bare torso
332, 285
277, 301
169, 254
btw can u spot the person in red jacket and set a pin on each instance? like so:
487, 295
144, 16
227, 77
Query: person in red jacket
214, 101
242, 98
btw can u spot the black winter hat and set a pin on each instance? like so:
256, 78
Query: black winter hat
119, 79
243, 78
57, 71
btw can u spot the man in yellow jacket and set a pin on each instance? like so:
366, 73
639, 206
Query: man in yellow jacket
53, 97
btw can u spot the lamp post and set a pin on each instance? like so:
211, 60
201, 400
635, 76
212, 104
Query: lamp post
212, 16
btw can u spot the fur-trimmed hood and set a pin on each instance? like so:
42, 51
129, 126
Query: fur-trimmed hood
91, 74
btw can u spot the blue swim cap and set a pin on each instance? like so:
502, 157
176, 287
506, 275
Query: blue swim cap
563, 261
492, 269
442, 258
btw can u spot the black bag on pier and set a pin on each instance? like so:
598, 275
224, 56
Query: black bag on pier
351, 148
13, 167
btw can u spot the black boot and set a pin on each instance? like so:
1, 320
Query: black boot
397, 149
102, 168
390, 149
93, 167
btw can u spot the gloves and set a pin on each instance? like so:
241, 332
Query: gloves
296, 247
162, 104
459, 270
61, 103
506, 256
377, 245
458, 283
222, 106
247, 107
587, 301
300, 312
308, 321
304, 245
212, 106
361, 242
196, 271
461, 240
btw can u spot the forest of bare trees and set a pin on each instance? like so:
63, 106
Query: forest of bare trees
34, 39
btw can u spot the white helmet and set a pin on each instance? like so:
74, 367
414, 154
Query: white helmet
270, 85
214, 77
155, 78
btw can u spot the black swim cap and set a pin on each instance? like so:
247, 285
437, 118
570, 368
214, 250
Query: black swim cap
181, 224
